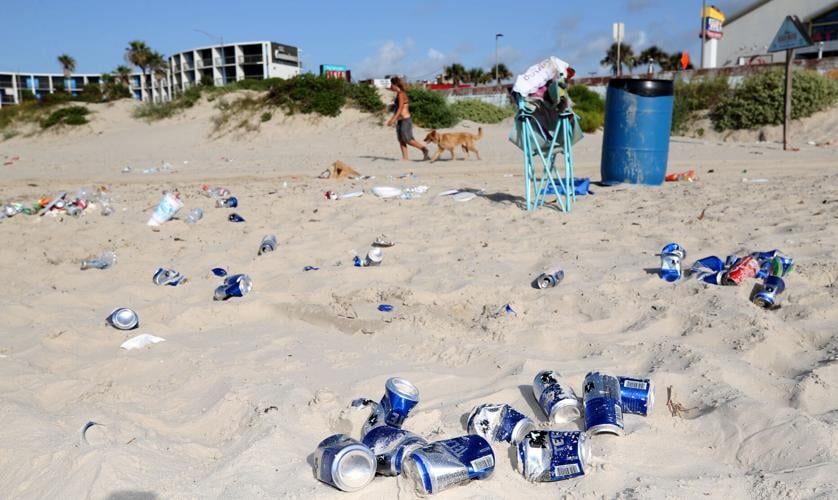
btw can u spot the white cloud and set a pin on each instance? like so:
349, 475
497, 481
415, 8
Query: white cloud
388, 59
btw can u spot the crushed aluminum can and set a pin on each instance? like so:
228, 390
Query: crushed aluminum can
231, 202
671, 256
603, 404
546, 456
123, 318
268, 244
780, 265
400, 396
444, 464
746, 267
637, 395
236, 285
169, 277
556, 399
767, 296
498, 423
391, 446
344, 463
234, 217
374, 257
549, 279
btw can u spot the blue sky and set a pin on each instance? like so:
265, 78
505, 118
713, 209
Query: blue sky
373, 38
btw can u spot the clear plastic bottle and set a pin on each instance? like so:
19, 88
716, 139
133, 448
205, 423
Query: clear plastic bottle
104, 261
107, 206
194, 216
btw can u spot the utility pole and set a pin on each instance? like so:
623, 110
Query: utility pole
497, 80
787, 100
703, 30
617, 30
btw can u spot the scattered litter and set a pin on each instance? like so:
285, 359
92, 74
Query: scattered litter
219, 271
675, 408
688, 176
449, 192
464, 196
231, 202
671, 256
755, 181
123, 318
104, 261
581, 187
765, 294
386, 191
268, 244
168, 277
216, 192
84, 429
127, 169
383, 242
234, 217
508, 310
374, 257
166, 209
311, 268
140, 341
236, 285
385, 307
549, 279
194, 215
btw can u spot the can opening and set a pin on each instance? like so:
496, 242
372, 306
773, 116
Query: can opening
403, 388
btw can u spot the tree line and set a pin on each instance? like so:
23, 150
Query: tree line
653, 55
456, 73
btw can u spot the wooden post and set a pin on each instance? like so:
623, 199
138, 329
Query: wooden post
787, 104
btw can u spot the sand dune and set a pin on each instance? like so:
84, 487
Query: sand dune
235, 400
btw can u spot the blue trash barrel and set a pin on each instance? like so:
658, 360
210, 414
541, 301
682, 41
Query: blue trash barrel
635, 143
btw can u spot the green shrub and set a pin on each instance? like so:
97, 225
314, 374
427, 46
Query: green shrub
367, 98
429, 109
207, 81
57, 97
481, 112
696, 96
189, 97
73, 115
589, 106
759, 100
92, 92
266, 116
152, 111
115, 90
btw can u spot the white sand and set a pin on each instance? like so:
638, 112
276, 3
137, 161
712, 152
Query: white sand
236, 399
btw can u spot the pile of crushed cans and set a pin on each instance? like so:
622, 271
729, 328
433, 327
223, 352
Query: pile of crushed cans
770, 267
387, 449
85, 201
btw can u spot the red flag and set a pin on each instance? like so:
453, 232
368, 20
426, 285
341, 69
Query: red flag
685, 60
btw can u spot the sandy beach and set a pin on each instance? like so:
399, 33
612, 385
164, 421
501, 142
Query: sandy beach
236, 399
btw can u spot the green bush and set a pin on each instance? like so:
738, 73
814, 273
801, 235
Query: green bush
152, 111
115, 90
759, 100
589, 106
207, 81
696, 96
318, 94
266, 116
73, 115
366, 97
429, 109
92, 92
481, 112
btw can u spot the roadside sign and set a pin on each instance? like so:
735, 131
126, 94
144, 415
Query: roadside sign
792, 35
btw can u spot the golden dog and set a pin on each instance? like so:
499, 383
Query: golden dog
450, 141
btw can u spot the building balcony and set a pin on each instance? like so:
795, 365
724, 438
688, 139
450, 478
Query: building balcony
251, 59
203, 63
225, 61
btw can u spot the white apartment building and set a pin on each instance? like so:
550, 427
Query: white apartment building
217, 64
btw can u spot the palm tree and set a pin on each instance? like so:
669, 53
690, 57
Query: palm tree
652, 56
502, 72
476, 76
123, 74
673, 62
456, 73
68, 64
157, 65
138, 54
626, 58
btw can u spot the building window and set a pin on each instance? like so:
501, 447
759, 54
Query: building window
824, 28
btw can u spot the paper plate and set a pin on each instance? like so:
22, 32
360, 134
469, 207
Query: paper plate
464, 196
386, 191
449, 192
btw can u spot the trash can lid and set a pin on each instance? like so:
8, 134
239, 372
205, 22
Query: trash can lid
644, 88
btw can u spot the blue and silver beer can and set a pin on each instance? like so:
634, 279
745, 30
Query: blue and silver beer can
671, 256
549, 279
556, 398
236, 285
231, 202
545, 456
767, 296
344, 463
603, 405
637, 395
169, 277
400, 396
443, 464
499, 422
268, 244
391, 446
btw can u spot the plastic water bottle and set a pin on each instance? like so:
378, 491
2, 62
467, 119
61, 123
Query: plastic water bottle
194, 216
104, 261
268, 244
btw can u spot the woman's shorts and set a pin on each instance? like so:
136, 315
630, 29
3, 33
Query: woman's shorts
404, 130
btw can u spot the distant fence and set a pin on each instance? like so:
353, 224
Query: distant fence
497, 95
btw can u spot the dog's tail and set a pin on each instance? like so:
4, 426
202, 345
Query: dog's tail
479, 133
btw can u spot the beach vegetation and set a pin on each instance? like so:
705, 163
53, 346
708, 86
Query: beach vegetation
456, 73
266, 116
589, 106
71, 115
759, 99
694, 97
502, 72
429, 109
481, 112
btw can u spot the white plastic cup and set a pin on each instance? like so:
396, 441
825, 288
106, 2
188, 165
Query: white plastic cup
166, 209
